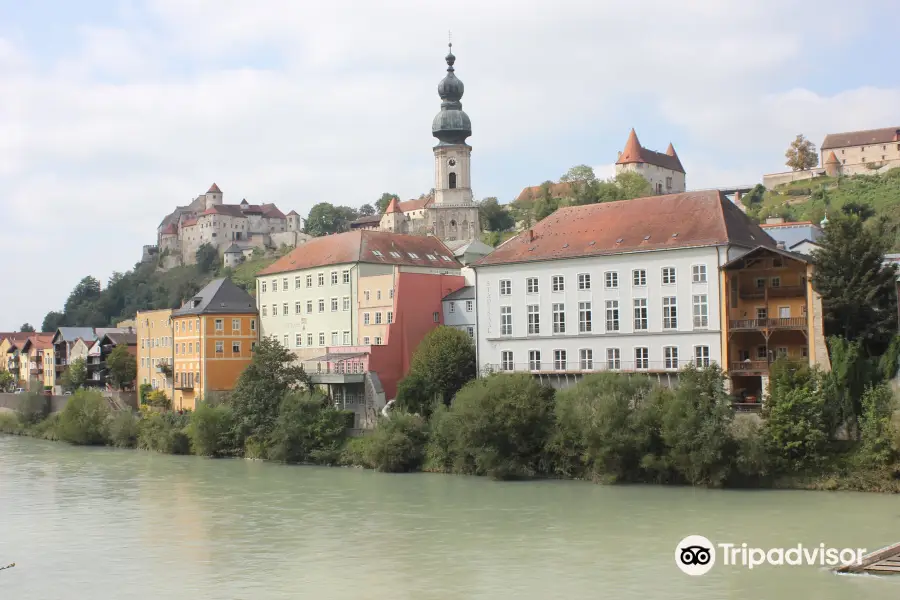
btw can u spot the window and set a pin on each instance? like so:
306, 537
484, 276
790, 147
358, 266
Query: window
262, 287
586, 359
775, 282
452, 306
641, 358
413, 255
378, 318
345, 303
534, 319
761, 353
559, 283
235, 324
804, 352
506, 320
274, 310
612, 315
701, 311
220, 325
395, 254
584, 281
285, 341
670, 313
346, 338
762, 313
506, 360
284, 284
366, 318
670, 357
309, 306
613, 359
377, 340
366, 340
298, 340
345, 275
309, 281
531, 285
297, 282
274, 285
559, 318
585, 323
321, 305
559, 360
452, 181
390, 317
471, 331
334, 305
335, 336
321, 279
668, 275
640, 314
505, 287
470, 305
377, 253
701, 356
698, 273
284, 309
220, 347
378, 294
321, 338
612, 280
334, 278
391, 293
367, 295
436, 317
639, 277
760, 283
781, 352
236, 347
309, 339
298, 308
534, 360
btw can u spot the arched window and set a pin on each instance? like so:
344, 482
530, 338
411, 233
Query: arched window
452, 181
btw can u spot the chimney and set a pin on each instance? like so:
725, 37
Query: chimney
774, 220
780, 245
531, 235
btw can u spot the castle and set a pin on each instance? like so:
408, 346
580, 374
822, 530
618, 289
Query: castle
450, 212
208, 220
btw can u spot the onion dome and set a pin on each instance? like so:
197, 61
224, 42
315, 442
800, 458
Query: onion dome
451, 125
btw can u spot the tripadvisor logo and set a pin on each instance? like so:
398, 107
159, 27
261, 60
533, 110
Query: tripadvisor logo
696, 555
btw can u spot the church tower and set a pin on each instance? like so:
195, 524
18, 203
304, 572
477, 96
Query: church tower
454, 215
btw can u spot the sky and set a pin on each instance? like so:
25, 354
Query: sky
112, 113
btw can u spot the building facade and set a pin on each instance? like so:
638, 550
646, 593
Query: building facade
662, 170
459, 310
214, 336
861, 152
156, 350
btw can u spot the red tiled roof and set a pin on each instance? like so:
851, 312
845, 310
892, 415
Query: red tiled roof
414, 204
832, 159
361, 245
41, 341
635, 153
690, 219
860, 138
170, 229
393, 207
189, 222
271, 211
214, 189
557, 190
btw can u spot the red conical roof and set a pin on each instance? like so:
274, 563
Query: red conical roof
671, 150
393, 207
214, 189
632, 151
635, 153
832, 159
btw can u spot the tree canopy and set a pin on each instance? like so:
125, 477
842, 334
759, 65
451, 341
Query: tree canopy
494, 217
207, 258
366, 210
442, 363
75, 375
578, 173
122, 367
801, 154
28, 328
325, 218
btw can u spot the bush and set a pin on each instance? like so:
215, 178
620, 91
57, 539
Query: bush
164, 432
876, 430
496, 426
308, 429
444, 361
796, 428
605, 426
211, 430
396, 446
33, 408
158, 399
9, 423
123, 429
751, 460
84, 419
48, 429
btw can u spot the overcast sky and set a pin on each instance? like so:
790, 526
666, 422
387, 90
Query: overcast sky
111, 113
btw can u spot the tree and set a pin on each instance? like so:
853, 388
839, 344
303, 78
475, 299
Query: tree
28, 328
75, 375
801, 154
382, 203
494, 217
858, 290
795, 430
52, 321
122, 367
207, 258
862, 211
7, 381
366, 210
443, 362
632, 185
325, 219
262, 386
578, 173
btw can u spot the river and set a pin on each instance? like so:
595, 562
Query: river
97, 523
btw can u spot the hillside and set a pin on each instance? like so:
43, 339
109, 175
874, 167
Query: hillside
810, 200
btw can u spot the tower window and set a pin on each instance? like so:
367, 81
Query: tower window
452, 181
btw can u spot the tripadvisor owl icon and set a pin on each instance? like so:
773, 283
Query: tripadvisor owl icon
695, 555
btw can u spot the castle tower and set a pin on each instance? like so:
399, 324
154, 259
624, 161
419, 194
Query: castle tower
832, 165
213, 196
392, 219
451, 126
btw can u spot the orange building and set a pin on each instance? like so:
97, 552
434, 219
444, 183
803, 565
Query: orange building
214, 336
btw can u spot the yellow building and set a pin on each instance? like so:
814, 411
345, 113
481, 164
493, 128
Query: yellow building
33, 363
376, 308
155, 349
10, 348
214, 336
770, 311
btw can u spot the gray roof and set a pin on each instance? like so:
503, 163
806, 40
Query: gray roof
101, 331
119, 339
221, 296
70, 334
787, 253
794, 233
233, 249
463, 293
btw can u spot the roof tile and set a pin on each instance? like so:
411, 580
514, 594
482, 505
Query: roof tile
859, 138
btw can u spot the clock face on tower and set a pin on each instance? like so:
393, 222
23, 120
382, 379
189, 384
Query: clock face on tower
452, 162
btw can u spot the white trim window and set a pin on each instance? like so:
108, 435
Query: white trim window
346, 303
309, 307
559, 318
470, 305
698, 273
285, 310
321, 305
640, 314
334, 303
321, 338
298, 308
321, 279
452, 306
586, 359
335, 338
534, 360
274, 310
701, 356
612, 315
506, 327
584, 281
366, 318
378, 318
534, 319
262, 287
585, 323
531, 285
613, 359
309, 281
345, 274
701, 311
309, 339
670, 357
611, 279
297, 284
641, 358
560, 362
668, 275
274, 285
670, 312
334, 278
639, 277
346, 338
390, 317
505, 287
284, 283
366, 340
559, 283
298, 340
506, 360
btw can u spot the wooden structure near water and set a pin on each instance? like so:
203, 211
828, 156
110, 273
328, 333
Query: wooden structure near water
881, 562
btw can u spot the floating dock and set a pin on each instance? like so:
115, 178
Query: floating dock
881, 562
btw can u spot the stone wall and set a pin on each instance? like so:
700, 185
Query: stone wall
772, 180
120, 400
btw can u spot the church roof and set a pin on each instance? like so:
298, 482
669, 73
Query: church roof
416, 204
214, 189
635, 153
392, 207
451, 125
859, 138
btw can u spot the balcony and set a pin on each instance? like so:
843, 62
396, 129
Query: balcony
749, 367
783, 291
797, 323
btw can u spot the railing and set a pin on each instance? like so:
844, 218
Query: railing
783, 291
749, 366
750, 407
757, 324
340, 368
349, 400
575, 367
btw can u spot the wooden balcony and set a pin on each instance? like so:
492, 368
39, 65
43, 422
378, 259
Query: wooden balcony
784, 291
749, 367
798, 323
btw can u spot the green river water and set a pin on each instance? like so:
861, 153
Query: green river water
97, 523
